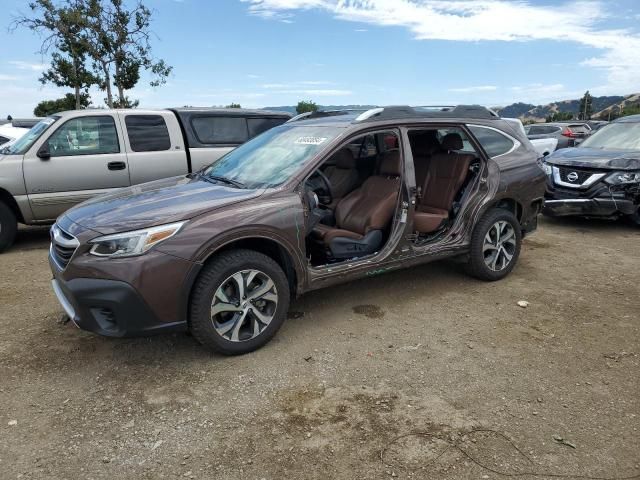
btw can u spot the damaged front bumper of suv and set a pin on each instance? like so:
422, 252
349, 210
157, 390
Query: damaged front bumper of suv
584, 192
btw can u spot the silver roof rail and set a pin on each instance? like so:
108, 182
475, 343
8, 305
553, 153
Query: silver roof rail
298, 117
368, 114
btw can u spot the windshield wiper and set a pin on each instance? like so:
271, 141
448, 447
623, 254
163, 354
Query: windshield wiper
226, 180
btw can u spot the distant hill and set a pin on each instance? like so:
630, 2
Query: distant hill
526, 111
601, 107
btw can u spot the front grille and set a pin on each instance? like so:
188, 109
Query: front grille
582, 175
575, 177
63, 246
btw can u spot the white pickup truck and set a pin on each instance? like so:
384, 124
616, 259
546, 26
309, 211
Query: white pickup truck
544, 146
72, 156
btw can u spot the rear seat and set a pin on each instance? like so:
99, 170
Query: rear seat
445, 175
424, 143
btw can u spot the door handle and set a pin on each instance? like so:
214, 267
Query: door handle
116, 165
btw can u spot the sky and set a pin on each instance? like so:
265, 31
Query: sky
336, 52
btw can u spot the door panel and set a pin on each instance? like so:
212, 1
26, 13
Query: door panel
81, 149
154, 144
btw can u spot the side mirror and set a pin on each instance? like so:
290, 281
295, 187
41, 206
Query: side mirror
545, 154
43, 153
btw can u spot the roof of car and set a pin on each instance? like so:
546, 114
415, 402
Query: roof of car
395, 113
628, 119
234, 111
141, 111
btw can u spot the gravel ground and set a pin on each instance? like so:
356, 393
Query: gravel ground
423, 373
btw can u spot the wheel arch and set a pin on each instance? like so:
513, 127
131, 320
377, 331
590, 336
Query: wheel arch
508, 203
268, 246
7, 199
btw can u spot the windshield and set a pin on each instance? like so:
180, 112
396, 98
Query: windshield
615, 136
23, 144
271, 158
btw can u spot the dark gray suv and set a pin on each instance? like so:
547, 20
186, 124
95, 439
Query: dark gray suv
323, 199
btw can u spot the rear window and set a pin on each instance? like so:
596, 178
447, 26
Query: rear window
579, 128
259, 125
147, 133
220, 130
493, 142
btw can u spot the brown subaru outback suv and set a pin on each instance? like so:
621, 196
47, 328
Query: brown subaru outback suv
325, 198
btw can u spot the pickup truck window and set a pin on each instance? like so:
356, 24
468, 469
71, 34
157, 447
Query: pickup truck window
94, 135
147, 133
23, 144
221, 130
259, 125
493, 142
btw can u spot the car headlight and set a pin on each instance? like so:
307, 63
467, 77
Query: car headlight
544, 166
619, 178
128, 244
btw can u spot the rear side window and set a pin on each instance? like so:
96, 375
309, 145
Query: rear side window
537, 130
85, 136
259, 125
147, 133
220, 130
3, 140
493, 142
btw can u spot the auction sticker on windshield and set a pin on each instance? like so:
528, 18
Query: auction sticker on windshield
310, 140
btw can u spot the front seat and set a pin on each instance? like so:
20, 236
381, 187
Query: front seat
446, 174
342, 174
362, 215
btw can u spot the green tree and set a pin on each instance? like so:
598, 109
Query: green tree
96, 42
617, 112
586, 106
119, 45
559, 117
306, 106
68, 102
233, 105
61, 27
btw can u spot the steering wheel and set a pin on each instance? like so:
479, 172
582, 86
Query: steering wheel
327, 197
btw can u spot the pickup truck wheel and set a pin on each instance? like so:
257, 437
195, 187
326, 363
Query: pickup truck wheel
495, 245
8, 227
239, 302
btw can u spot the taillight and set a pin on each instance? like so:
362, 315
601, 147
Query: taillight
569, 133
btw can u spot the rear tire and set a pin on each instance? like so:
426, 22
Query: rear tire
8, 227
635, 217
239, 302
495, 245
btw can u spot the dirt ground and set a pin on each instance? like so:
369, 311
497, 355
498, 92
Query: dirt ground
423, 373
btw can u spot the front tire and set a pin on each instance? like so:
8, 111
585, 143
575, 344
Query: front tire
239, 302
495, 245
8, 227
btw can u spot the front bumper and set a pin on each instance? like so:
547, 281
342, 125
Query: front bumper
107, 307
124, 297
588, 207
593, 198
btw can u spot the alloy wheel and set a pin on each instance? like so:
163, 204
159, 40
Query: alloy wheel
244, 305
499, 246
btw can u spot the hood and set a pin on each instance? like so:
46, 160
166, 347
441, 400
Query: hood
596, 158
155, 203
